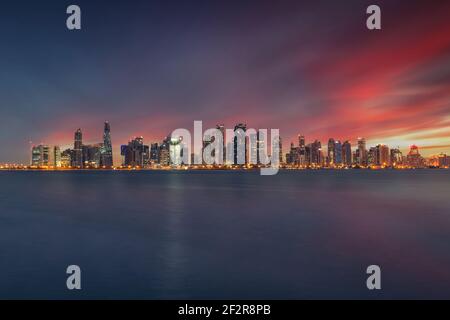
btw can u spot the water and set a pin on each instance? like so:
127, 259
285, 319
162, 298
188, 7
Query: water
194, 235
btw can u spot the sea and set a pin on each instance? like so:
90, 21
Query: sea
308, 234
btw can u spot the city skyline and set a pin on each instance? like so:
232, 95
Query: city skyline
153, 67
168, 151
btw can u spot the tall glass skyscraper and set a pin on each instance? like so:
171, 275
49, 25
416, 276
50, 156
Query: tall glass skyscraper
77, 160
107, 156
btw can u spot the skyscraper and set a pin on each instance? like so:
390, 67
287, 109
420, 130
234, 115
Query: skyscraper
107, 155
77, 160
240, 139
301, 150
396, 157
414, 159
40, 156
337, 152
136, 154
383, 156
331, 151
362, 152
347, 153
56, 157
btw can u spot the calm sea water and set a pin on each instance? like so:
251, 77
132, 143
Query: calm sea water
181, 235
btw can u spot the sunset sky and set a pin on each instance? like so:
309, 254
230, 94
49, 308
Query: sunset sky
149, 67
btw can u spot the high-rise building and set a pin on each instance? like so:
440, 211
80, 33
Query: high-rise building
92, 155
164, 153
347, 153
301, 150
372, 157
362, 152
383, 156
106, 152
240, 139
221, 128
40, 156
77, 160
331, 151
66, 158
414, 159
154, 153
337, 152
136, 154
396, 157
316, 156
56, 157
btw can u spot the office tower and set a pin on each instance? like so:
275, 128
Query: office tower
331, 151
301, 150
396, 157
337, 152
443, 160
414, 159
154, 153
347, 153
293, 155
372, 157
316, 156
92, 155
382, 155
56, 157
362, 152
221, 128
136, 154
39, 156
240, 144
66, 158
106, 151
280, 149
308, 154
164, 153
77, 160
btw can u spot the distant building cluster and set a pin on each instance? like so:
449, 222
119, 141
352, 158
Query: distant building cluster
136, 154
342, 155
91, 156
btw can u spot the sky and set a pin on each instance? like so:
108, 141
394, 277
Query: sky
149, 67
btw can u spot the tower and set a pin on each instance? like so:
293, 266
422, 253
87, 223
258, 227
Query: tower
107, 156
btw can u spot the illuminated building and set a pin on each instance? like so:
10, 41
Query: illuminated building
106, 151
396, 157
331, 151
443, 161
240, 144
316, 156
56, 157
221, 128
154, 153
77, 160
136, 154
92, 155
383, 156
362, 152
302, 150
337, 152
40, 156
347, 153
66, 158
414, 159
